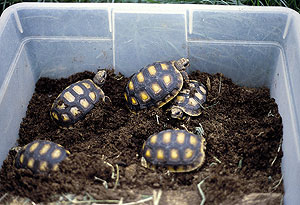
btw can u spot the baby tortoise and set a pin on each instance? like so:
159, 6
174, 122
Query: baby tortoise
156, 84
75, 101
189, 101
176, 150
41, 156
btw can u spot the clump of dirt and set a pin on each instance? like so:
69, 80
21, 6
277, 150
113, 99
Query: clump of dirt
242, 126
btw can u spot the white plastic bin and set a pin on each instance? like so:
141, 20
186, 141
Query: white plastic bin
255, 46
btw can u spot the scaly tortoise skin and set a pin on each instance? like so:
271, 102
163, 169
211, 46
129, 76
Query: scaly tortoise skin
175, 150
156, 84
189, 101
41, 156
75, 101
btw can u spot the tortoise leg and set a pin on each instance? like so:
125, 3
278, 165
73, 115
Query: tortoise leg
106, 99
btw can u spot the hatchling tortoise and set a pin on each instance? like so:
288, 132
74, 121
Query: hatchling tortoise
175, 150
41, 156
189, 101
75, 101
156, 84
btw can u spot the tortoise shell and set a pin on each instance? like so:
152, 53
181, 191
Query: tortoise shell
189, 101
155, 84
176, 150
41, 156
75, 102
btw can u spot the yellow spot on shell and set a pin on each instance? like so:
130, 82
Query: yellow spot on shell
92, 95
56, 154
61, 106
171, 169
192, 102
68, 152
144, 96
188, 153
43, 166
55, 167
69, 97
30, 163
78, 90
22, 158
164, 66
152, 70
65, 117
199, 96
84, 103
174, 154
45, 149
160, 154
180, 99
140, 77
75, 111
148, 153
156, 88
193, 140
54, 115
202, 89
167, 137
33, 147
133, 100
153, 139
130, 85
180, 169
86, 85
167, 80
125, 95
180, 137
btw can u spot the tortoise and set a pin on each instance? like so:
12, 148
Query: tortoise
189, 101
41, 156
175, 150
75, 101
156, 84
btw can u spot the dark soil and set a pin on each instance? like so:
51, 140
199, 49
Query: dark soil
243, 130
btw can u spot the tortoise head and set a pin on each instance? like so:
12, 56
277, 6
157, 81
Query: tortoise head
100, 77
177, 112
182, 64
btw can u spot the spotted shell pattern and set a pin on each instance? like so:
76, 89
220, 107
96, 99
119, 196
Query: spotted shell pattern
191, 105
41, 156
153, 85
75, 102
176, 150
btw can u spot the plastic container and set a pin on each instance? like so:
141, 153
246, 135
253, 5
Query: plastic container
254, 46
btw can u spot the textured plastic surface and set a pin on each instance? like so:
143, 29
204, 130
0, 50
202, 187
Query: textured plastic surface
253, 46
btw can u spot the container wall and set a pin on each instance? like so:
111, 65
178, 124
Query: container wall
13, 104
71, 22
57, 58
9, 44
285, 89
146, 38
